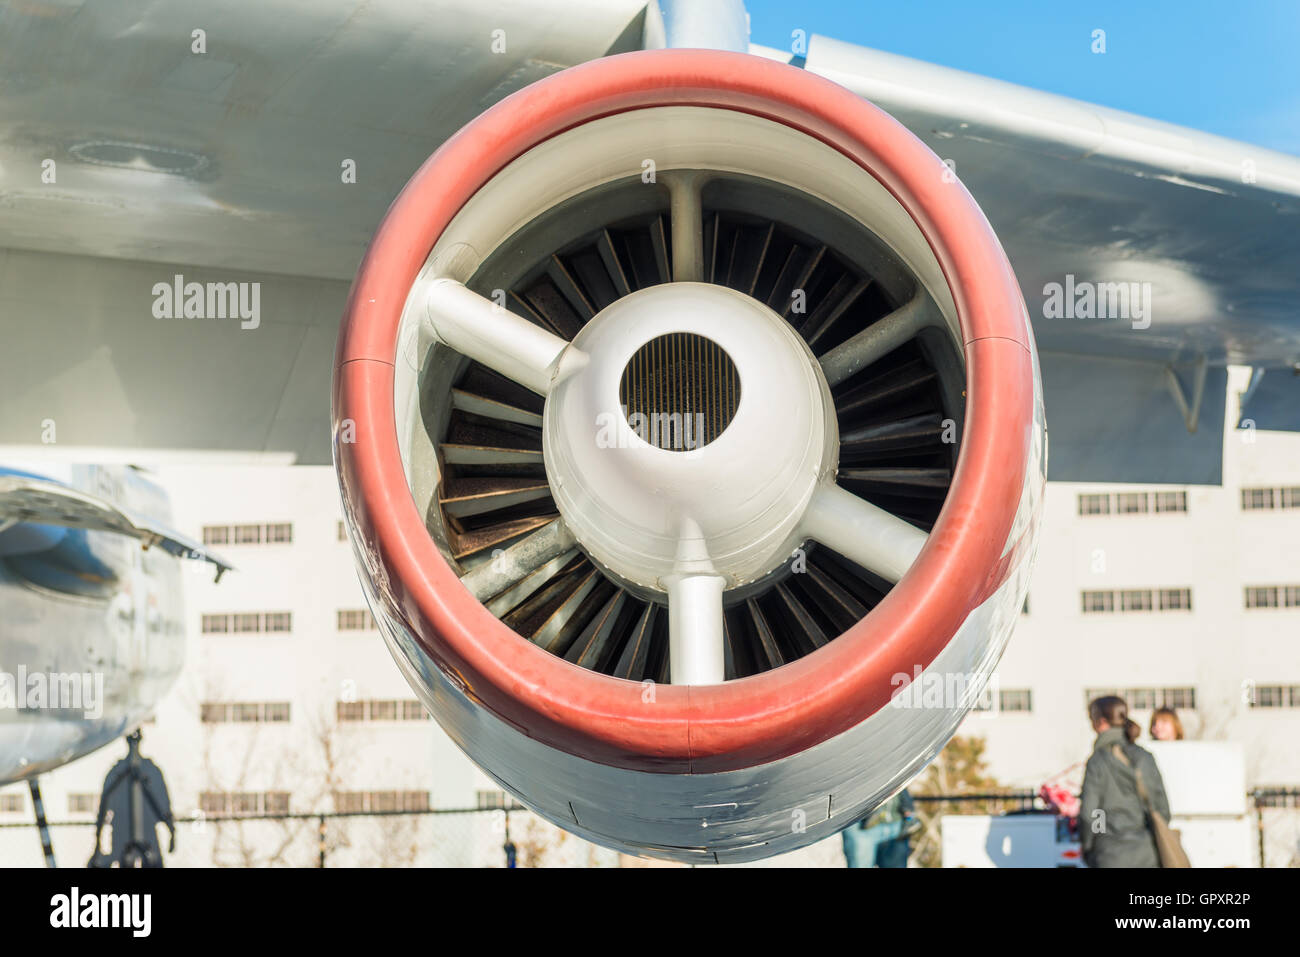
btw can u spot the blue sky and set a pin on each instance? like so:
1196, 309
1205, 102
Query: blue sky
1231, 68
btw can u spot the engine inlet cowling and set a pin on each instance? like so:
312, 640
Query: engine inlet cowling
663, 485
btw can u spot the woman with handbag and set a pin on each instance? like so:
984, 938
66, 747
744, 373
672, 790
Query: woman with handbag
1123, 810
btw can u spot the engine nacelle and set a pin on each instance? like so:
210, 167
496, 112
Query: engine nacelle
690, 435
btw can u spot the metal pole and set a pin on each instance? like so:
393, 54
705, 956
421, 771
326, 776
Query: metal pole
38, 806
701, 24
322, 841
135, 803
1259, 825
512, 852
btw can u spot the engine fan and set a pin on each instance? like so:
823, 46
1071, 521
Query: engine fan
687, 411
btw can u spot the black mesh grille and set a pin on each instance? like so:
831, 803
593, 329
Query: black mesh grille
679, 391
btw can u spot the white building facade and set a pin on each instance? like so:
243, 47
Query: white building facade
1170, 596
1179, 596
289, 704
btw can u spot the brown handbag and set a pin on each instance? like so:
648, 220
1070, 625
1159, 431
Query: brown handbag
1168, 843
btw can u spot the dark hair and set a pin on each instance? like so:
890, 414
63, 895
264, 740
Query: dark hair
1114, 711
1172, 716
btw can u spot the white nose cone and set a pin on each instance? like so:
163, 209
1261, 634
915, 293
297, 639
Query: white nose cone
679, 490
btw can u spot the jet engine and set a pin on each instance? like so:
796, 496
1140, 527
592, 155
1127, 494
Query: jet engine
690, 435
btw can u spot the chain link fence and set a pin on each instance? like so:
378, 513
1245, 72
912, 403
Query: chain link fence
511, 836
465, 837
1277, 825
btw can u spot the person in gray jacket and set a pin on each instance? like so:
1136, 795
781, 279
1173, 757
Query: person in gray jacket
1113, 826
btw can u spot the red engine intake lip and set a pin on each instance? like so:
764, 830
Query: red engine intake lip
753, 720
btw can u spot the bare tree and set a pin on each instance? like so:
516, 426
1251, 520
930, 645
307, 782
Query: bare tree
959, 769
310, 776
540, 843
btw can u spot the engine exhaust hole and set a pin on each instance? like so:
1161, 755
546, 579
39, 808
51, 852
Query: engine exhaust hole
679, 391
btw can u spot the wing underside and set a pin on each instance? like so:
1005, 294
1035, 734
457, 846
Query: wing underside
268, 161
1198, 233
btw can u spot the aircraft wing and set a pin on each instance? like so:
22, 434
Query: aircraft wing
1082, 191
42, 502
232, 166
128, 158
227, 150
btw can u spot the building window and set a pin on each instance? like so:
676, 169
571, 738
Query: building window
248, 534
1016, 701
1291, 497
245, 712
82, 803
243, 803
277, 711
490, 800
342, 531
1178, 698
352, 711
355, 619
1273, 596
1171, 501
1094, 504
248, 622
1276, 696
1146, 699
1255, 498
1142, 699
276, 533
1098, 601
1269, 696
214, 802
1138, 600
357, 802
11, 803
213, 713
216, 534
1130, 503
349, 802
246, 802
415, 800
279, 534
276, 802
1261, 596
381, 710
